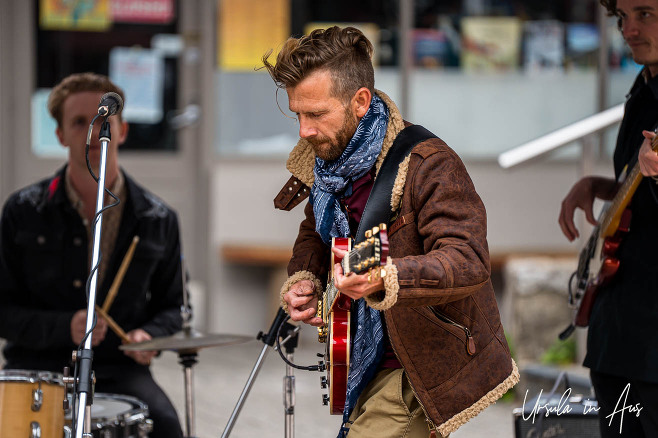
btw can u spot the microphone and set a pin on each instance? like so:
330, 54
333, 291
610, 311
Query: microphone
110, 104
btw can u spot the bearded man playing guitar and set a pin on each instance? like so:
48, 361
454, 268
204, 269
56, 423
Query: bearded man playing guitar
622, 342
429, 352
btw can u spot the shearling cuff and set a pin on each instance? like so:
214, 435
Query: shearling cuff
294, 278
391, 289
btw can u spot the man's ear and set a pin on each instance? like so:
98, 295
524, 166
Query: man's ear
124, 132
60, 136
361, 101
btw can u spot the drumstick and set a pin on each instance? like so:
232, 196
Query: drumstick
113, 325
112, 293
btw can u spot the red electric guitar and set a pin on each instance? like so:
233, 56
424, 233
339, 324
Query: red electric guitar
334, 309
597, 263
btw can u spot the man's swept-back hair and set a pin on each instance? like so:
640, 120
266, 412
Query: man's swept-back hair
610, 5
346, 53
77, 83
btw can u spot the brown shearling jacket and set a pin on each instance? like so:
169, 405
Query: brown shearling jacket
439, 305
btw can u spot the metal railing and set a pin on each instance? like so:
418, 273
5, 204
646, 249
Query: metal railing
561, 137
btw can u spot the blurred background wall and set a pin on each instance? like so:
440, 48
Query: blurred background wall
210, 134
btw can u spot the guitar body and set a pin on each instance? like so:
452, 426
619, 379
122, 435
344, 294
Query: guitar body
334, 309
603, 266
598, 263
338, 341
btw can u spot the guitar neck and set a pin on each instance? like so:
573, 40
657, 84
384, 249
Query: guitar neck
366, 255
610, 221
331, 292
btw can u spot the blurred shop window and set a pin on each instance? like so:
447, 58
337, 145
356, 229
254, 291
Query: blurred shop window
135, 42
487, 75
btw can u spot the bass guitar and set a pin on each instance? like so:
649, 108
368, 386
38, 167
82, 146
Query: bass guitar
334, 309
597, 262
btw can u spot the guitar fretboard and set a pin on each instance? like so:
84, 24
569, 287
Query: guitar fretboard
623, 197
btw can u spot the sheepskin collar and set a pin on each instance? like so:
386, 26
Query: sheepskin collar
302, 158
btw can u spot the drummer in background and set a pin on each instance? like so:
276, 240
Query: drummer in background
45, 256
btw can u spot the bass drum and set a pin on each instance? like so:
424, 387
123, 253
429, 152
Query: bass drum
31, 404
116, 416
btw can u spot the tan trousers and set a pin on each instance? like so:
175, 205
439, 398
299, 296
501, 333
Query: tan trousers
388, 408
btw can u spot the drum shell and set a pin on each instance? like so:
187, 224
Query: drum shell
16, 401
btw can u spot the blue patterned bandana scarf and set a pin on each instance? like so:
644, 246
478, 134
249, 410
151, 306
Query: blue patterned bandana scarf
367, 352
333, 179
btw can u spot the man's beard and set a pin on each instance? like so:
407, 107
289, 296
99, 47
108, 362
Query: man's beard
331, 150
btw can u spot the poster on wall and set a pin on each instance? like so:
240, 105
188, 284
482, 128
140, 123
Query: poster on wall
249, 28
44, 140
143, 11
139, 72
543, 46
490, 43
85, 15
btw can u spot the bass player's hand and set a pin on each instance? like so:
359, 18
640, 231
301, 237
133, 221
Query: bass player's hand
582, 196
302, 300
647, 157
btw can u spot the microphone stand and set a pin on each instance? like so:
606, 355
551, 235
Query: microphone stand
85, 356
290, 334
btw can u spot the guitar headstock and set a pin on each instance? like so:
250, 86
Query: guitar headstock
368, 254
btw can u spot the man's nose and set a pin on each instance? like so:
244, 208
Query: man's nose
629, 28
306, 129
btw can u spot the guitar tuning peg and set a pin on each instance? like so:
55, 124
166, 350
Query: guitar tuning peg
368, 234
382, 226
375, 230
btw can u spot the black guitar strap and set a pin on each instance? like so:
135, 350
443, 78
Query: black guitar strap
378, 205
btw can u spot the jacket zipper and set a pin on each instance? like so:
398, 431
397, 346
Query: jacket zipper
430, 424
470, 342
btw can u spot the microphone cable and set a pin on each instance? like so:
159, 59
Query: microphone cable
321, 366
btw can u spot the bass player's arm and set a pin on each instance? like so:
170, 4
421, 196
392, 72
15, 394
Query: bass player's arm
582, 195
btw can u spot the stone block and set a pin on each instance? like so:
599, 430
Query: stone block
535, 303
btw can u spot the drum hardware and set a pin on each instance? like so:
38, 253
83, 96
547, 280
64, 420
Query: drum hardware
116, 416
37, 399
187, 343
35, 430
290, 335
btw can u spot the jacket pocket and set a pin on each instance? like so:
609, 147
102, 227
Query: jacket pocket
462, 332
45, 252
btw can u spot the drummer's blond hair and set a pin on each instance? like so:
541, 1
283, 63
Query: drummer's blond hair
77, 83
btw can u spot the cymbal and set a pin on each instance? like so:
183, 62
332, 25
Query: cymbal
186, 340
